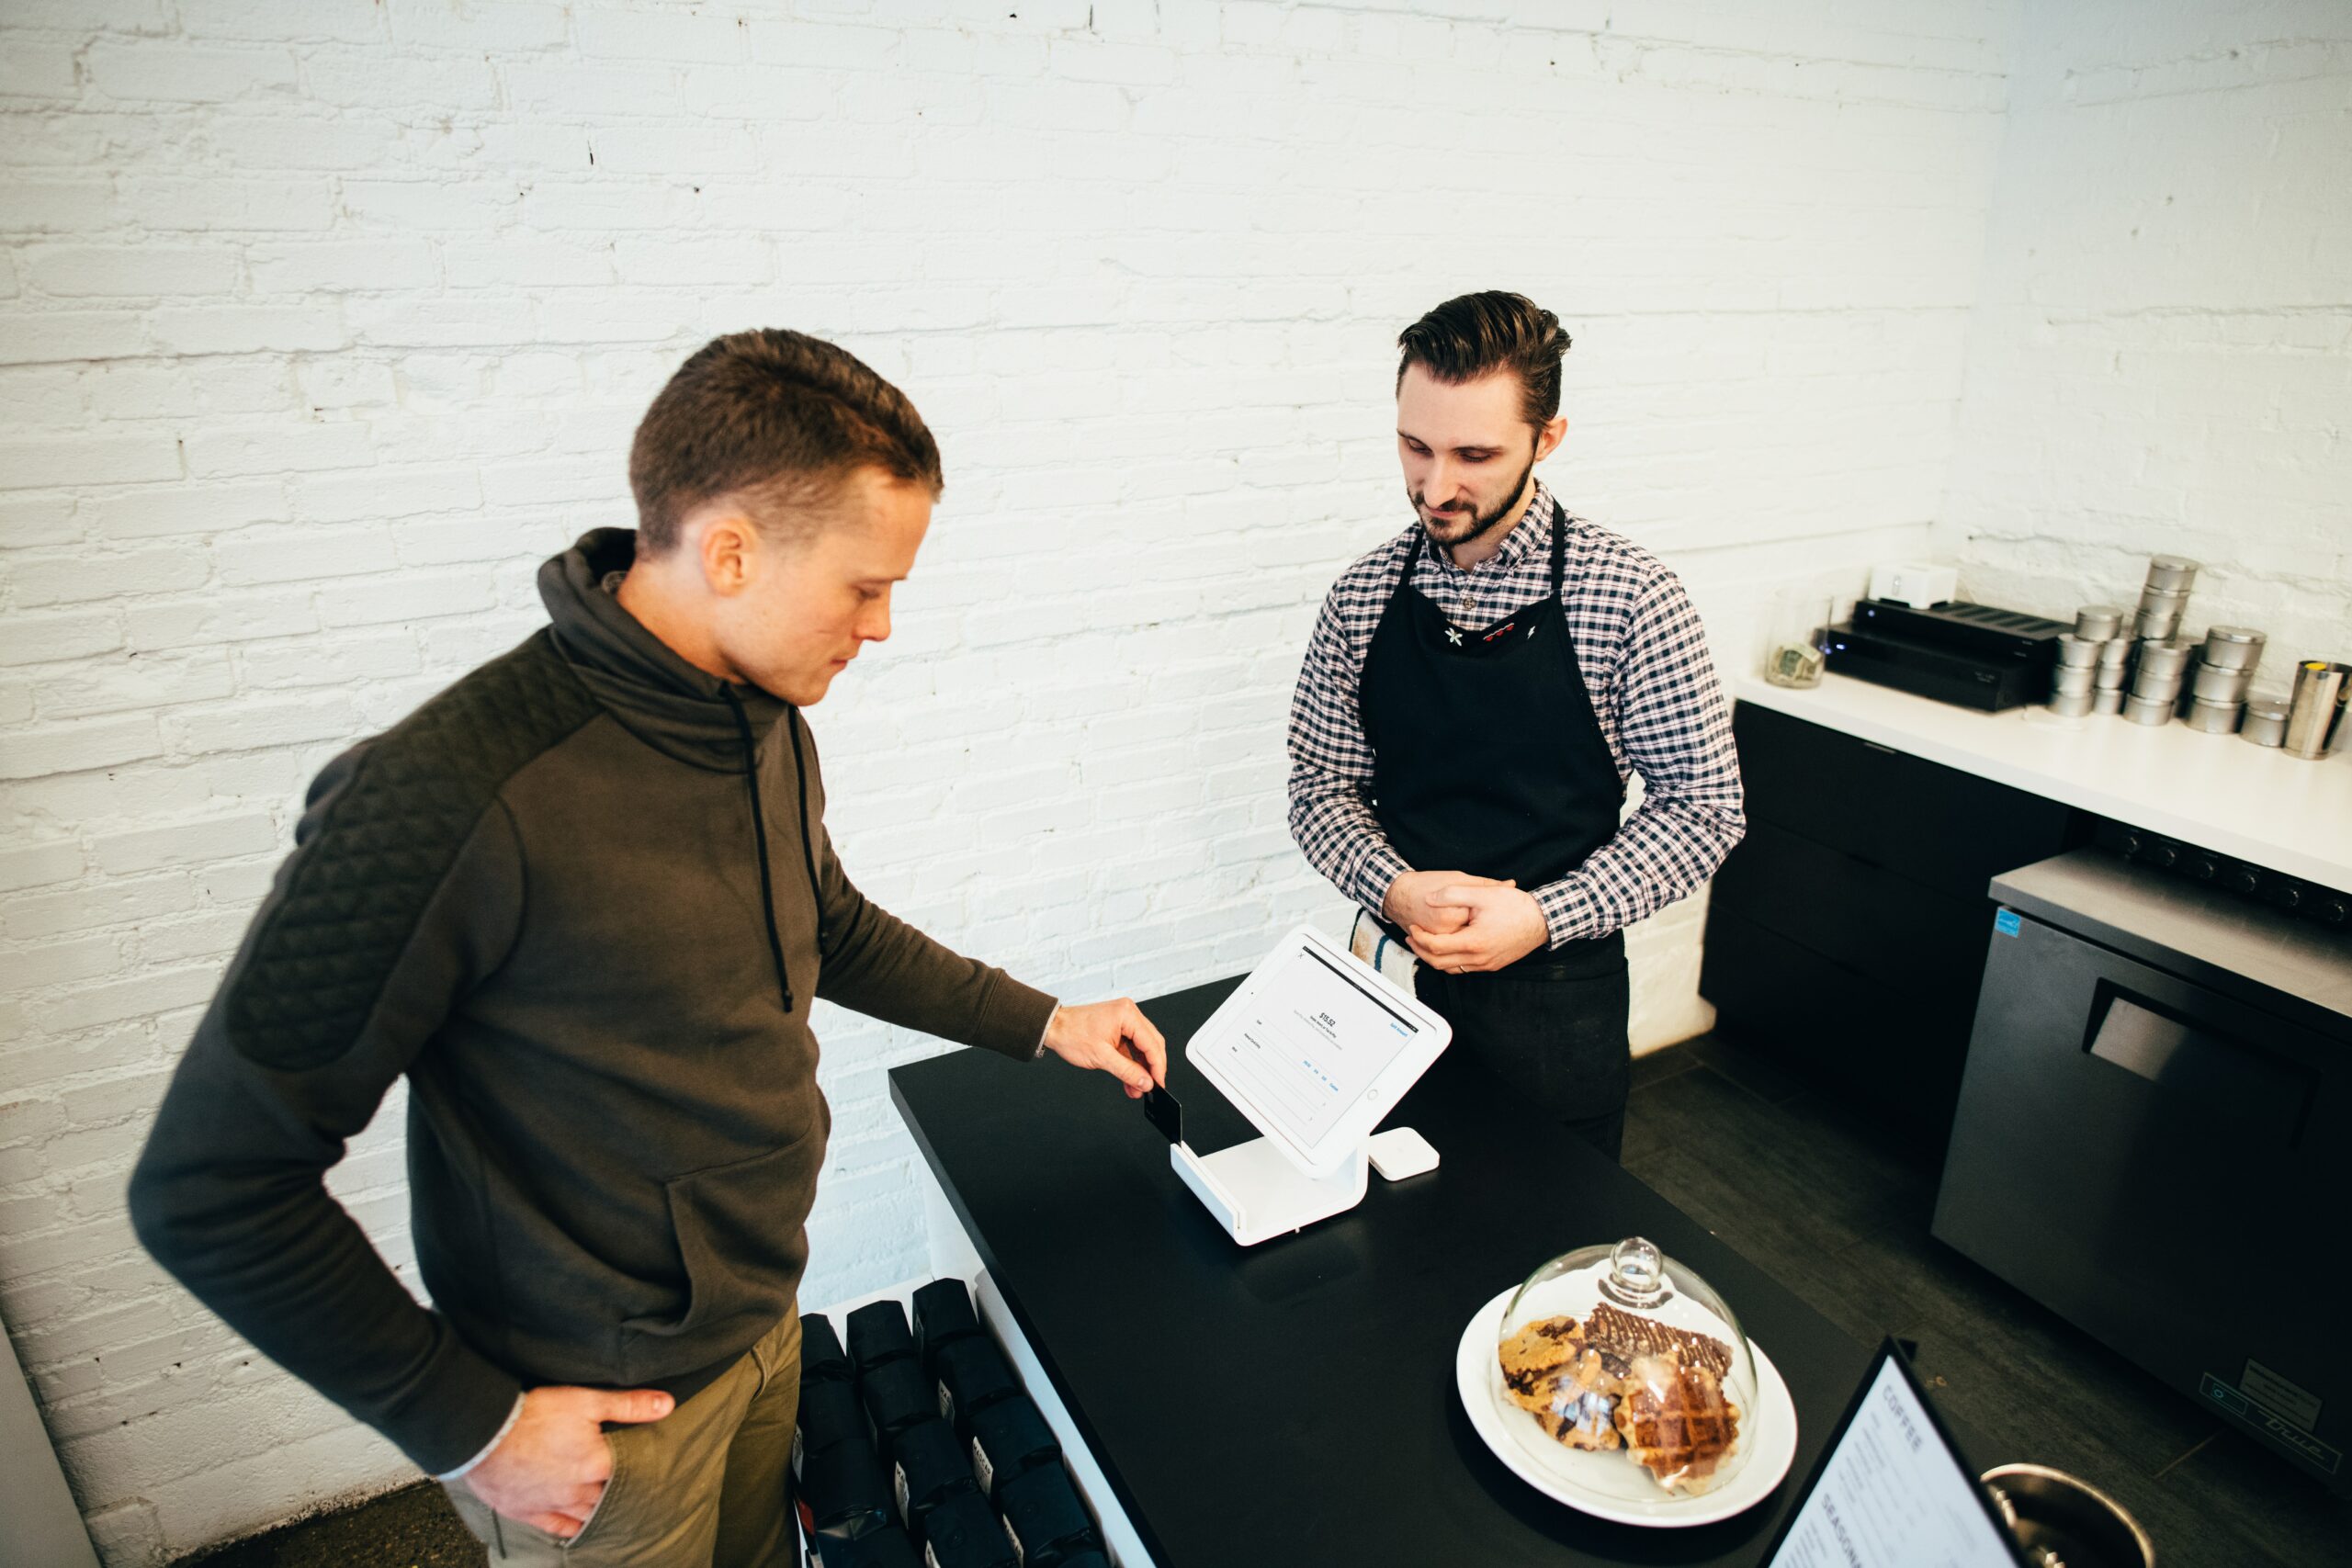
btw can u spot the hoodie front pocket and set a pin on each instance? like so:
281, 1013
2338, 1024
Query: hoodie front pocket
740, 1242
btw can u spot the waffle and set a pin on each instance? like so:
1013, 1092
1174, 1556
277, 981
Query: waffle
1676, 1421
1618, 1333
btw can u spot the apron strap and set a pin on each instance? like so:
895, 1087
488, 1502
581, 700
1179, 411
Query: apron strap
1558, 551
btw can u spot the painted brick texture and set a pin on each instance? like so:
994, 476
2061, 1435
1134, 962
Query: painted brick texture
322, 321
2162, 357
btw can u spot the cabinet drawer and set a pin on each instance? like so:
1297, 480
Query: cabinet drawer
1924, 822
1865, 1041
1919, 942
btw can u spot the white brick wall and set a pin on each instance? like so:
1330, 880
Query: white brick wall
2162, 357
322, 321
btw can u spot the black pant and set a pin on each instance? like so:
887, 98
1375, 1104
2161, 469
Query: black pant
1552, 1027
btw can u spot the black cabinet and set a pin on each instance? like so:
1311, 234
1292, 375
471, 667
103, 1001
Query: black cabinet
1846, 936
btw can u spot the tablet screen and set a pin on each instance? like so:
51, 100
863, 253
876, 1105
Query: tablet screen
1313, 1040
1893, 1493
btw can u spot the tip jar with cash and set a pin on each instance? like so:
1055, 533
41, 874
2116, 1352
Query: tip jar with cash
1797, 647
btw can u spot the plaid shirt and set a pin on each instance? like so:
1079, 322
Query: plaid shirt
1646, 668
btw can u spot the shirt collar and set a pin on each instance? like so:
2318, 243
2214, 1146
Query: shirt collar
1532, 532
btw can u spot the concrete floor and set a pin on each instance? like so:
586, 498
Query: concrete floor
1831, 1209
413, 1527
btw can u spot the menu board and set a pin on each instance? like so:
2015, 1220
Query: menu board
1893, 1493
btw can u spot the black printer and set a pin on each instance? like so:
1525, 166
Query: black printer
1974, 655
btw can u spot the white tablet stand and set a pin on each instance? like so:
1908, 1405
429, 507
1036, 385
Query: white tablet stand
1258, 1194
1255, 1191
1269, 1186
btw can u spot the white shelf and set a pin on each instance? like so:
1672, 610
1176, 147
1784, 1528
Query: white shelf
2218, 792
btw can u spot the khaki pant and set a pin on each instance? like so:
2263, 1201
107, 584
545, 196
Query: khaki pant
706, 1486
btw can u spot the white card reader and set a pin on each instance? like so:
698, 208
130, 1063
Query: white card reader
1401, 1151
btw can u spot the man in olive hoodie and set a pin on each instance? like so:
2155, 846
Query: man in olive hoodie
582, 901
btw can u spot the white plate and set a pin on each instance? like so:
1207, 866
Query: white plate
1609, 1485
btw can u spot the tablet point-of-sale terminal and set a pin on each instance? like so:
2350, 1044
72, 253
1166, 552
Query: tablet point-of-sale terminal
1314, 1047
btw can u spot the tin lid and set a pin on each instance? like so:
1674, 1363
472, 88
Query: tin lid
2233, 633
2171, 564
2265, 707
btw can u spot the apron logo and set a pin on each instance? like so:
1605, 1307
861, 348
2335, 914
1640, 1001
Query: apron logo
1504, 630
1453, 637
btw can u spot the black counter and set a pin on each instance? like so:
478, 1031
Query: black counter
1294, 1402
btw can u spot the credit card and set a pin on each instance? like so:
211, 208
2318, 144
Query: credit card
1166, 1114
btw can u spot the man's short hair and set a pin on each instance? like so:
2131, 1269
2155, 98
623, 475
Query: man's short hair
776, 417
1477, 334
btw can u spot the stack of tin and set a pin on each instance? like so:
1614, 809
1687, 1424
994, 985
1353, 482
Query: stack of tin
2091, 664
2160, 669
2164, 599
2217, 687
2159, 674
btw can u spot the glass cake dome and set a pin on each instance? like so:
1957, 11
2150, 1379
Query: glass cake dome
1624, 1374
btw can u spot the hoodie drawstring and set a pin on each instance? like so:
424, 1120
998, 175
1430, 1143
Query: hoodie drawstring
760, 830
808, 855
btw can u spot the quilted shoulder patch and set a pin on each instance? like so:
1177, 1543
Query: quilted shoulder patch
321, 961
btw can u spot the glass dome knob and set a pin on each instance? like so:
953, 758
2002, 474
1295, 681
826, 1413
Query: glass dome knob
1636, 1274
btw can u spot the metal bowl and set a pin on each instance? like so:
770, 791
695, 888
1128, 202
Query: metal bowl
2059, 1519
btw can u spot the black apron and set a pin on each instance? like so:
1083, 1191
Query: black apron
1487, 758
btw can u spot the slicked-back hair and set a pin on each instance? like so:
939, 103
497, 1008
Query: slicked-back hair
1477, 334
777, 418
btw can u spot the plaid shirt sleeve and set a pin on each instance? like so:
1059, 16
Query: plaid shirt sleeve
1674, 728
1330, 761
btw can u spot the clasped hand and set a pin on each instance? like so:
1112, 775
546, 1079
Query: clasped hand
1464, 924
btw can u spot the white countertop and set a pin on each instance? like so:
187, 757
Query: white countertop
2215, 791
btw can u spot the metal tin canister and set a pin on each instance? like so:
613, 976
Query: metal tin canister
2147, 710
2266, 722
2071, 681
2216, 683
2096, 623
2071, 705
2215, 718
2107, 699
2165, 656
2173, 573
2315, 713
2157, 626
2233, 648
2078, 652
2173, 600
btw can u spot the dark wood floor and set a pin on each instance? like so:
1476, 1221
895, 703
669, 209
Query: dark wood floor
1839, 1215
